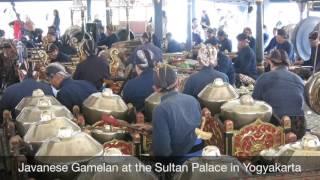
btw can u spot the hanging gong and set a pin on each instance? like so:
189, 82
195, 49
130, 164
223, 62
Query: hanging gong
312, 92
300, 38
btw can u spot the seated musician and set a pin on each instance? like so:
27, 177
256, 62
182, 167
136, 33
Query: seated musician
55, 55
198, 81
138, 89
211, 35
225, 43
174, 120
110, 39
283, 90
63, 45
173, 45
314, 42
273, 42
252, 41
245, 62
93, 69
71, 92
284, 44
147, 45
16, 92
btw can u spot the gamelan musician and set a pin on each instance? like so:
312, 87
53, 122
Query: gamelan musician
283, 90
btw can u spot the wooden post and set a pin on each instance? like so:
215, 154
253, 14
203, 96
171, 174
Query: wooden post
259, 32
189, 25
158, 24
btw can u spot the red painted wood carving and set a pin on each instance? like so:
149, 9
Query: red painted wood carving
252, 139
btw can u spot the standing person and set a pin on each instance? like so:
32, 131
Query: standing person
71, 92
18, 27
251, 39
225, 43
273, 42
29, 27
93, 69
205, 20
284, 44
283, 90
138, 89
56, 21
245, 62
207, 56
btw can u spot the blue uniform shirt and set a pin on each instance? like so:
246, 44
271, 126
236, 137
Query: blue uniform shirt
173, 46
213, 41
138, 89
94, 70
157, 52
16, 92
61, 58
74, 92
252, 43
281, 89
245, 63
174, 123
108, 40
287, 46
311, 60
226, 44
272, 44
225, 65
196, 38
198, 81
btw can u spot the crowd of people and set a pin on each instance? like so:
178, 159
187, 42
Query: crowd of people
179, 113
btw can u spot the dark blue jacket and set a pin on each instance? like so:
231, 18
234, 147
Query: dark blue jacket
174, 123
283, 90
311, 60
74, 92
16, 92
225, 65
138, 89
287, 46
173, 46
94, 70
245, 63
196, 38
198, 81
56, 23
108, 41
252, 43
157, 52
272, 44
226, 45
265, 38
156, 41
61, 58
213, 41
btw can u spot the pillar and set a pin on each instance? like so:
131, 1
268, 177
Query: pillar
189, 25
158, 20
259, 32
